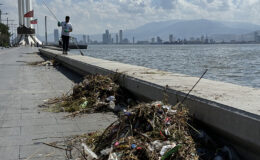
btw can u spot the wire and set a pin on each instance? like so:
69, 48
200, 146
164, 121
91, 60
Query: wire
50, 10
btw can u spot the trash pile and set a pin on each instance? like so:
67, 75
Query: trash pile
96, 93
44, 63
143, 131
147, 131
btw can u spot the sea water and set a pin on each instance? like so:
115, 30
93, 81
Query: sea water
233, 63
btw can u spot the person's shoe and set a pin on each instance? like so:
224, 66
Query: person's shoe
66, 52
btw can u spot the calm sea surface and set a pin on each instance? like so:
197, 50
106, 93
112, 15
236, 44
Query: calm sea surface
238, 64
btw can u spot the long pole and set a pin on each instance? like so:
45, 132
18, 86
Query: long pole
46, 42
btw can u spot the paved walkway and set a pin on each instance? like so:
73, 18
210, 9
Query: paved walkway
22, 124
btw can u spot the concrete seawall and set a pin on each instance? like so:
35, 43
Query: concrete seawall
231, 110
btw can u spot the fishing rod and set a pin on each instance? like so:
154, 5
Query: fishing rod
76, 43
58, 21
50, 10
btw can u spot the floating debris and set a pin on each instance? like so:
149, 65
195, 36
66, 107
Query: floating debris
96, 93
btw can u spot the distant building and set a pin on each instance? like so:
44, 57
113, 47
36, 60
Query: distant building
107, 38
116, 38
88, 39
153, 40
171, 38
84, 39
256, 37
133, 40
159, 40
120, 36
125, 41
56, 35
202, 39
142, 42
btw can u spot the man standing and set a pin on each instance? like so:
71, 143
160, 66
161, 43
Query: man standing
66, 29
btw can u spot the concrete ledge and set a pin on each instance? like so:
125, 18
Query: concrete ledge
231, 110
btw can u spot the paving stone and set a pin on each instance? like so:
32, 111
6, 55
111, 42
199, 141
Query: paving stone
23, 125
6, 132
9, 153
40, 151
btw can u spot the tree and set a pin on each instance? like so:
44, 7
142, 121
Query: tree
4, 35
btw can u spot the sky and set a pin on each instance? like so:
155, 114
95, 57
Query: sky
94, 16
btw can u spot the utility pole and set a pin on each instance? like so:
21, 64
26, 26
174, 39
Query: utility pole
46, 38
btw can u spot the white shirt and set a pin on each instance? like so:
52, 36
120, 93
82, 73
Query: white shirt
65, 26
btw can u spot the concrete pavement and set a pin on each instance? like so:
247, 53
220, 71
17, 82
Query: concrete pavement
22, 124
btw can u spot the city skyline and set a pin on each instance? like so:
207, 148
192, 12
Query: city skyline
95, 18
107, 38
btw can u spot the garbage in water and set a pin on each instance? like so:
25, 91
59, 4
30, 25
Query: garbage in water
96, 93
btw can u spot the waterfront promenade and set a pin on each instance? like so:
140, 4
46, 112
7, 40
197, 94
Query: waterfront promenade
232, 111
22, 123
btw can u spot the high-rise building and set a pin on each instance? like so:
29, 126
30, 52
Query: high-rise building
159, 40
84, 39
153, 40
107, 38
88, 39
56, 35
116, 38
171, 38
120, 36
133, 40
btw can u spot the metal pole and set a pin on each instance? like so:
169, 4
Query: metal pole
46, 42
0, 16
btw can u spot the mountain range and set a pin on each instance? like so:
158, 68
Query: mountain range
184, 29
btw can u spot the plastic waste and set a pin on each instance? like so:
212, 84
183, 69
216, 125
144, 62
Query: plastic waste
112, 105
170, 152
117, 143
106, 151
111, 98
84, 104
167, 132
157, 145
89, 152
133, 146
166, 107
157, 104
166, 148
112, 156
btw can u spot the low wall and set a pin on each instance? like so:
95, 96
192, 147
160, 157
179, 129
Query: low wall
230, 110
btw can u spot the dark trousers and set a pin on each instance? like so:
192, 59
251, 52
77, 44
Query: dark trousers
65, 41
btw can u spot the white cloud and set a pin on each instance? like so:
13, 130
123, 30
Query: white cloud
94, 16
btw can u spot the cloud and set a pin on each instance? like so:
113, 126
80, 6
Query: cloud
94, 16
